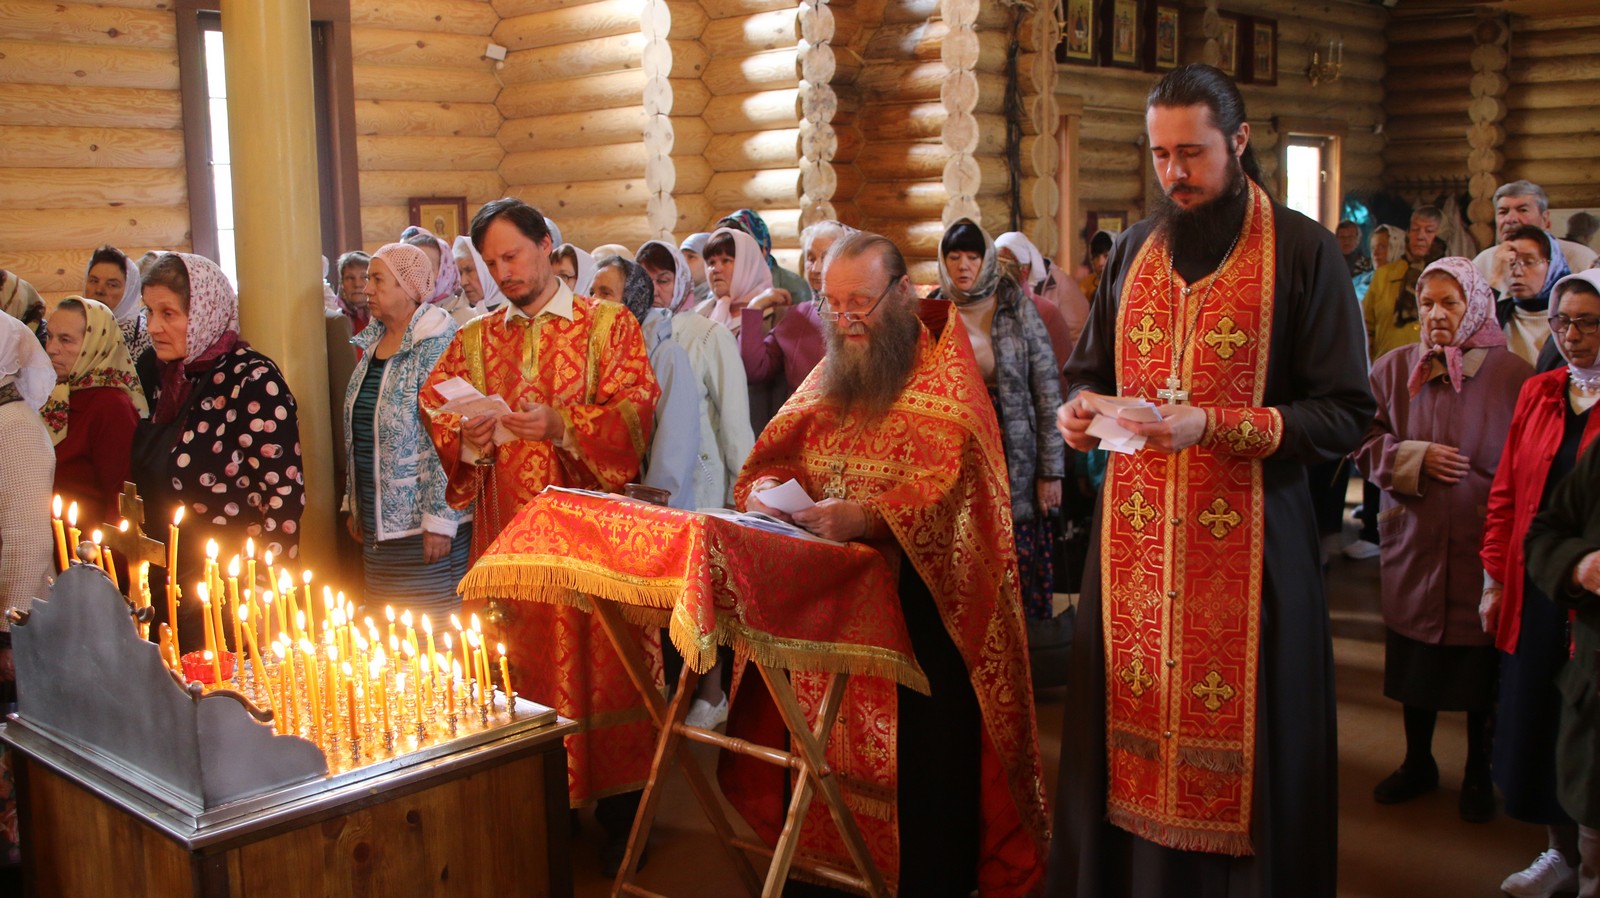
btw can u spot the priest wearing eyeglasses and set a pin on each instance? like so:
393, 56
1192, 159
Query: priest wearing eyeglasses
892, 434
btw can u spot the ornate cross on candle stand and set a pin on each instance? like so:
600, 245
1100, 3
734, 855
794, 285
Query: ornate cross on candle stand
132, 543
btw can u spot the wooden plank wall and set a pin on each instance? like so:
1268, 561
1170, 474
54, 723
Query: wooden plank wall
426, 120
93, 146
1552, 128
1113, 163
1429, 95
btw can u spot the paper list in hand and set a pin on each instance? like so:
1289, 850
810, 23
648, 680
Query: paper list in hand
462, 398
788, 497
1113, 436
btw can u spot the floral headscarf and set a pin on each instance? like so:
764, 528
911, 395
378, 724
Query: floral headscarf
988, 273
492, 297
1470, 334
213, 333
23, 362
756, 227
131, 303
683, 282
18, 298
447, 282
103, 362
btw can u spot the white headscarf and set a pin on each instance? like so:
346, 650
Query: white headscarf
1025, 252
24, 363
1584, 376
492, 297
683, 283
750, 272
584, 280
132, 301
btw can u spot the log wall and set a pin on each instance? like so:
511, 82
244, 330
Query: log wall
1114, 169
426, 119
1551, 126
93, 148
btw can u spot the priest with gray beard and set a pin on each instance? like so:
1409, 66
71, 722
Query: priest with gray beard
894, 435
1199, 753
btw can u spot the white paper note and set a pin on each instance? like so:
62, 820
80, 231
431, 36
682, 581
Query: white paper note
462, 398
788, 497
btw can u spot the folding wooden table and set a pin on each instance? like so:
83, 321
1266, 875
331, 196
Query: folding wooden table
715, 581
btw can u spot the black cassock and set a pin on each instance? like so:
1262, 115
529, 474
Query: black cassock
1317, 379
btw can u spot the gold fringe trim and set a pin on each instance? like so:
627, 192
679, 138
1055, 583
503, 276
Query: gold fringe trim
1138, 746
1219, 760
1181, 837
540, 578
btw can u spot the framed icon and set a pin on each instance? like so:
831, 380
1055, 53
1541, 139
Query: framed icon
1078, 44
1161, 37
1123, 33
1112, 223
445, 216
1229, 34
1263, 51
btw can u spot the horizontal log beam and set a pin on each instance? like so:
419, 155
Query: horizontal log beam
85, 188
1565, 146
383, 224
27, 229
78, 23
597, 56
750, 112
601, 127
387, 82
60, 271
1555, 71
1550, 96
619, 162
1554, 171
1539, 122
35, 147
459, 16
88, 107
439, 49
586, 198
742, 35
753, 150
727, 9
569, 25
592, 92
28, 62
426, 117
754, 189
389, 188
437, 153
589, 232
925, 82
767, 70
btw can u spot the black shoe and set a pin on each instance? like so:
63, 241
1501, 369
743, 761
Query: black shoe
1406, 783
1477, 798
612, 852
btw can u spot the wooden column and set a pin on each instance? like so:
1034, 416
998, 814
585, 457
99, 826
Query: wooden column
1488, 109
272, 129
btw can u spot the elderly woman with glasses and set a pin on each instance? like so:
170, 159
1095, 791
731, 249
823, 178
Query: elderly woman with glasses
1535, 264
1444, 409
1550, 429
1019, 367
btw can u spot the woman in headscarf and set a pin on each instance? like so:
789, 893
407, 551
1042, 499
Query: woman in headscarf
738, 274
223, 440
414, 544
19, 300
113, 279
95, 407
1444, 408
1051, 287
1014, 355
1551, 427
1388, 243
1095, 260
795, 344
353, 289
1536, 264
693, 249
479, 284
748, 221
447, 292
574, 266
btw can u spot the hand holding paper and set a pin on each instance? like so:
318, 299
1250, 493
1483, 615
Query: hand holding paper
462, 398
1113, 436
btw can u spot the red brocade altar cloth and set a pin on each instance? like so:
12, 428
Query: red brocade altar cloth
785, 601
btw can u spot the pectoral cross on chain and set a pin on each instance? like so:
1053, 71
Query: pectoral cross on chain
1174, 393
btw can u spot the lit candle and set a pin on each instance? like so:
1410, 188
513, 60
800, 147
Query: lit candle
250, 561
291, 688
172, 573
416, 679
73, 536
350, 701
388, 611
311, 615
427, 679
330, 692
368, 689
427, 629
214, 586
61, 533
256, 667
204, 592
505, 676
450, 689
383, 692
233, 601
308, 652
411, 632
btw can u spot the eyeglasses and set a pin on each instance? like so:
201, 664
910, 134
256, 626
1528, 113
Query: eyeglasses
826, 312
1586, 326
1525, 263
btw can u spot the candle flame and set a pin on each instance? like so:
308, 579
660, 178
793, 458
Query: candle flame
455, 621
333, 652
206, 654
277, 650
306, 648
267, 557
394, 644
374, 668
203, 592
502, 647
379, 656
455, 669
337, 617
305, 577
244, 614
405, 617
348, 670
388, 611
123, 527
55, 507
72, 514
211, 549
300, 619
177, 516
250, 547
427, 625
411, 652
233, 566
285, 583
266, 598
476, 626
448, 642
327, 598
95, 537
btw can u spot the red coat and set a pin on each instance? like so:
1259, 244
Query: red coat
1514, 498
92, 460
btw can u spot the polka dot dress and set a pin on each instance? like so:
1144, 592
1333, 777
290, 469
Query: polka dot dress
236, 463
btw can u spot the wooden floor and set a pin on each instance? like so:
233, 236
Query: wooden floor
1418, 850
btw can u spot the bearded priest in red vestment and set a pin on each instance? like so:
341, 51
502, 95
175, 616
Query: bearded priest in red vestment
577, 376
1199, 756
894, 434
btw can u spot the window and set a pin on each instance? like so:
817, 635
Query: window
1308, 167
203, 80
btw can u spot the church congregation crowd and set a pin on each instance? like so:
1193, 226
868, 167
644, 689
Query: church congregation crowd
949, 425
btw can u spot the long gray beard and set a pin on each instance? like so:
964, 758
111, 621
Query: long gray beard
870, 377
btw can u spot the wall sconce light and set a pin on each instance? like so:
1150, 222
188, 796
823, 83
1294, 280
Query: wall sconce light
1325, 64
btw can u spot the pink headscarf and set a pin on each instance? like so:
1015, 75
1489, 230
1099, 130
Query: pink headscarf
213, 332
1470, 334
750, 273
448, 280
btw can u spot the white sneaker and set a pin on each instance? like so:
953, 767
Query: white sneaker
1548, 874
707, 716
1361, 550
